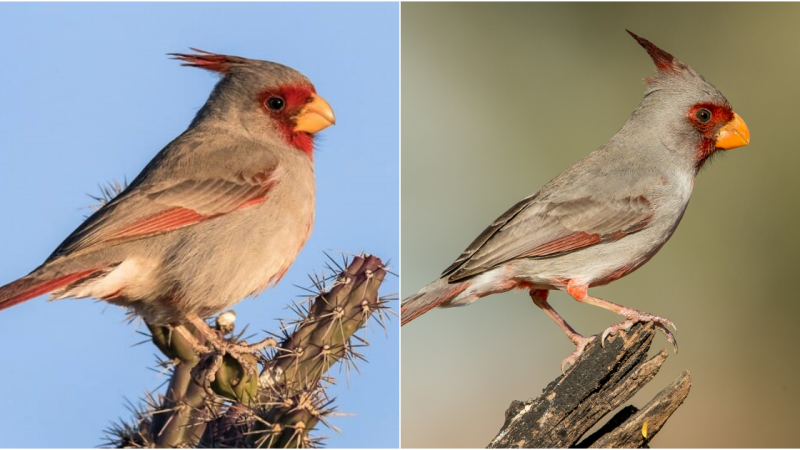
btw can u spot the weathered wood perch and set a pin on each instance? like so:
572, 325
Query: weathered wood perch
600, 381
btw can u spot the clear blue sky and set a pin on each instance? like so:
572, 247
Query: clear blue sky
89, 96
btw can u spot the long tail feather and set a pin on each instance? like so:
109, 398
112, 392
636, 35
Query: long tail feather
431, 296
33, 285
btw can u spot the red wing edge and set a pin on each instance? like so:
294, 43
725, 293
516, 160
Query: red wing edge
10, 294
179, 217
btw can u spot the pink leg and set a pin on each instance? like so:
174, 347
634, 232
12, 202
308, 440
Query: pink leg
578, 292
539, 297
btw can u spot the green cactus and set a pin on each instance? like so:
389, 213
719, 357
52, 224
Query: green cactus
286, 401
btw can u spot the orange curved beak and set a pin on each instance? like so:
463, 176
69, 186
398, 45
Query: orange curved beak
315, 116
733, 134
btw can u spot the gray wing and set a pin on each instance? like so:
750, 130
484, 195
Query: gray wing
535, 228
174, 191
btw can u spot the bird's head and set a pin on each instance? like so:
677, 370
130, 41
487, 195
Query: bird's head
268, 100
692, 116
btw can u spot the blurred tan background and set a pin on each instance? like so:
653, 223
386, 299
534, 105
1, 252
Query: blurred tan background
497, 99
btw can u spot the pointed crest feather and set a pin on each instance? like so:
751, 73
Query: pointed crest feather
663, 60
207, 60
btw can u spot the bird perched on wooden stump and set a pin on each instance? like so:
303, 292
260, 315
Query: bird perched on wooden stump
607, 214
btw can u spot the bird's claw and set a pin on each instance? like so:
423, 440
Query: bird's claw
210, 373
613, 329
669, 335
637, 317
580, 345
238, 352
221, 347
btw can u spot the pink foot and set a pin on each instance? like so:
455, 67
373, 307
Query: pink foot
634, 317
580, 344
539, 297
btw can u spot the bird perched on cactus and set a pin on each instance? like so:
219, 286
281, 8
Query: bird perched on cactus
607, 214
219, 214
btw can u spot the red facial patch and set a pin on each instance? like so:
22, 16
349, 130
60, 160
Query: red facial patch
720, 115
294, 97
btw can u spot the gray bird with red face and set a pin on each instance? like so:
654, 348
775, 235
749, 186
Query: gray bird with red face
607, 214
219, 214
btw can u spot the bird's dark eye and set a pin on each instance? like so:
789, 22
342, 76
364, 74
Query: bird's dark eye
703, 115
275, 103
